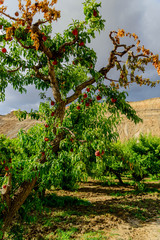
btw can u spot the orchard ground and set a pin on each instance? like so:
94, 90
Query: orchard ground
99, 210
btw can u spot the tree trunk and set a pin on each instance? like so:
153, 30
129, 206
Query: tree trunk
118, 176
19, 198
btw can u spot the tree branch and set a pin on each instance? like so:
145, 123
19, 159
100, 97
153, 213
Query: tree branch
15, 70
79, 90
54, 83
69, 131
7, 15
68, 44
111, 80
26, 47
125, 51
39, 74
39, 22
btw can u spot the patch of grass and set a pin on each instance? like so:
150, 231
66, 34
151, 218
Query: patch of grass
62, 235
98, 235
119, 193
152, 178
143, 190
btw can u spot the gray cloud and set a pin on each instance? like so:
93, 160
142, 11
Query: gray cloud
141, 17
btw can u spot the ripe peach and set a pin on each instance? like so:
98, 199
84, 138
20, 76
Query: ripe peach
99, 97
81, 44
95, 13
97, 153
113, 100
16, 14
4, 50
87, 104
88, 89
75, 32
85, 95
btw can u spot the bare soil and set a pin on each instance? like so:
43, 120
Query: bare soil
115, 213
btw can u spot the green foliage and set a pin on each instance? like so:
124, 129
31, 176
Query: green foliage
26, 59
145, 156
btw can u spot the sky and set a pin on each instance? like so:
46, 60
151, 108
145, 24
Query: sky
140, 17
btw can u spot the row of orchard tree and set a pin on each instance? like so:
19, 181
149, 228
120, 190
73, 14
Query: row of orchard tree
76, 141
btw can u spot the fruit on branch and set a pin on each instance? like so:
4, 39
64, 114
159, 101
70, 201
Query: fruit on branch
7, 174
95, 13
1, 26
52, 114
44, 38
4, 186
85, 95
87, 104
81, 44
78, 107
46, 125
46, 139
52, 103
99, 97
54, 62
71, 149
102, 152
113, 100
6, 168
90, 100
43, 153
88, 89
75, 32
10, 160
4, 50
16, 14
97, 153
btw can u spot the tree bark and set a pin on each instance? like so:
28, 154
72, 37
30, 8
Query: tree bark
19, 198
117, 175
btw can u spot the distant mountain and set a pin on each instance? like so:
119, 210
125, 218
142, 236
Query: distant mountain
148, 110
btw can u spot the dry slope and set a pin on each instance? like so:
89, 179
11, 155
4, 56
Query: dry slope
148, 110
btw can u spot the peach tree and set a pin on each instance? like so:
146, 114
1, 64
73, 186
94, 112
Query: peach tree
65, 63
144, 157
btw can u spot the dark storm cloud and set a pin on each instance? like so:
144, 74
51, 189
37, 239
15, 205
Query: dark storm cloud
141, 17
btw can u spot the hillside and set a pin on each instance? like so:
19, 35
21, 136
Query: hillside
148, 110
